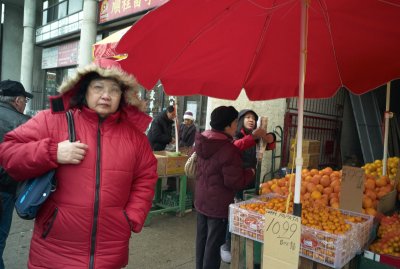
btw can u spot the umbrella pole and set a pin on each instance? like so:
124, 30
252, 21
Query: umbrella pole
386, 137
176, 127
300, 106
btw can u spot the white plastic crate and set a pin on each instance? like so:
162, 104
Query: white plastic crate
363, 229
330, 249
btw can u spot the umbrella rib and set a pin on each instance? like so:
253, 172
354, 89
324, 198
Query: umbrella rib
270, 8
262, 36
389, 3
328, 25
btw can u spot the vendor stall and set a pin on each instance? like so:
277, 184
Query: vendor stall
338, 220
170, 165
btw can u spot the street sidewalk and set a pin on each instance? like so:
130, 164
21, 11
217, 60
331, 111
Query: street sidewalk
167, 243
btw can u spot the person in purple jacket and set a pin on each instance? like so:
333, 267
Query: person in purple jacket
220, 175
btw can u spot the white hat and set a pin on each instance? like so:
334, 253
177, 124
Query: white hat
188, 115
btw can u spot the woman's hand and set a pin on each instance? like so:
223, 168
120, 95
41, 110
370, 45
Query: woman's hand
259, 133
71, 152
269, 138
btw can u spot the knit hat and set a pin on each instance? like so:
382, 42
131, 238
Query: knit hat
188, 115
222, 117
13, 88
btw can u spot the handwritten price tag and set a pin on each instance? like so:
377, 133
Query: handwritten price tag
281, 240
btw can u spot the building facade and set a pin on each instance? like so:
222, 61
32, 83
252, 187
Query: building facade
43, 42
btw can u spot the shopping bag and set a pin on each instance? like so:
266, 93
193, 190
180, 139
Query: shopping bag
32, 193
191, 166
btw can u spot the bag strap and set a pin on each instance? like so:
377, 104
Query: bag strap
71, 126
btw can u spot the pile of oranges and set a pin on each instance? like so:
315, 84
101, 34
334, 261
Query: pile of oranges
388, 241
313, 215
375, 169
322, 187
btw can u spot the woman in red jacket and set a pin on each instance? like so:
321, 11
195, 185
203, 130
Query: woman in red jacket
105, 179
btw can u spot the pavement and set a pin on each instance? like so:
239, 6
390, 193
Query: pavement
167, 243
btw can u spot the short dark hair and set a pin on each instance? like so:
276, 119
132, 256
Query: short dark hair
79, 99
170, 109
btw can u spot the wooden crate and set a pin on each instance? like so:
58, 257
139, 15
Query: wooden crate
170, 165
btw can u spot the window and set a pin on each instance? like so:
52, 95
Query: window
57, 9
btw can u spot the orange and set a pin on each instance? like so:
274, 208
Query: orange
319, 187
328, 190
370, 211
367, 202
369, 184
311, 187
315, 179
325, 181
316, 195
371, 194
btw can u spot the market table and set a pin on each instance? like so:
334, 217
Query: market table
159, 207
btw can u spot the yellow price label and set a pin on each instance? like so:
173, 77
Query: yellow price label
282, 234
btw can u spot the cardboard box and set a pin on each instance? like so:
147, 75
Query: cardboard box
309, 160
352, 190
309, 146
170, 165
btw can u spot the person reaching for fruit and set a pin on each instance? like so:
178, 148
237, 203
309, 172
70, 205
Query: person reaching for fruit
220, 174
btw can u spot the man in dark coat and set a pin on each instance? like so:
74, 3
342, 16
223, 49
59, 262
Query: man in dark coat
160, 133
13, 99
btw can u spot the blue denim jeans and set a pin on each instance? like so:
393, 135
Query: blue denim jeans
8, 201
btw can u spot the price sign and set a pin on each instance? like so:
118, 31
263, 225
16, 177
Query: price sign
282, 234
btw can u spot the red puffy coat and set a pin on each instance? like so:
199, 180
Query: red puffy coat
87, 221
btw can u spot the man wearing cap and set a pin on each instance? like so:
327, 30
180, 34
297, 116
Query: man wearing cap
187, 130
13, 99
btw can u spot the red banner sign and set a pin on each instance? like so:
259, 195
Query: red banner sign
113, 9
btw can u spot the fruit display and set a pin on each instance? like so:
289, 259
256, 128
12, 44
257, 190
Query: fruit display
323, 186
375, 169
388, 241
329, 236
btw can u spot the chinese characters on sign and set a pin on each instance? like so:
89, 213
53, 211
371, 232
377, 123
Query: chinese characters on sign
113, 9
60, 56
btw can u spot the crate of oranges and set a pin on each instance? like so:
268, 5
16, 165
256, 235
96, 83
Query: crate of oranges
329, 236
363, 225
247, 219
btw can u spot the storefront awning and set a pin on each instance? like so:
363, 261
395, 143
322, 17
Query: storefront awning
105, 48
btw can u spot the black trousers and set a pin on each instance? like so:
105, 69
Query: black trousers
210, 236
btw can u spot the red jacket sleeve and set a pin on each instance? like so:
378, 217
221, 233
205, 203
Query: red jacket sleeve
245, 142
142, 189
28, 151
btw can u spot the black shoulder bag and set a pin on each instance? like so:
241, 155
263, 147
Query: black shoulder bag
32, 193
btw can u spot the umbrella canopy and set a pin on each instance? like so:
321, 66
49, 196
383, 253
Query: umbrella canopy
216, 48
105, 48
270, 48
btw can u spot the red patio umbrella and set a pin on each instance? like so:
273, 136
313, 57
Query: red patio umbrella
269, 48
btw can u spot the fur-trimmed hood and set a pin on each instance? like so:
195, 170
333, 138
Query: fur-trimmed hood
105, 68
132, 106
